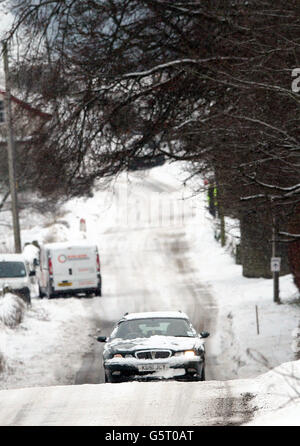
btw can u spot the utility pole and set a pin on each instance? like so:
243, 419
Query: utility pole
219, 208
275, 262
11, 152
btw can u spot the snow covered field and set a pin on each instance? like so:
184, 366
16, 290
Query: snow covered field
47, 348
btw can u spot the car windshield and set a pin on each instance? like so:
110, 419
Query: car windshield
144, 328
12, 269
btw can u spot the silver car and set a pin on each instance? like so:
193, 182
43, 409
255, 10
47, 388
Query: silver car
154, 345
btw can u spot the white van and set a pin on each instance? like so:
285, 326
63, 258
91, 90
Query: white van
15, 274
66, 268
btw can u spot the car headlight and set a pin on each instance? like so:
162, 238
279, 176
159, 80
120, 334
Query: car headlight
119, 355
189, 354
186, 354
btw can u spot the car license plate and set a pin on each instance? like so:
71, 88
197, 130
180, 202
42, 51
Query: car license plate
152, 367
65, 284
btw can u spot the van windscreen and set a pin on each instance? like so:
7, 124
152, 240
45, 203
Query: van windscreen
12, 269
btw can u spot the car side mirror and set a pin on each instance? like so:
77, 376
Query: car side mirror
102, 339
31, 273
204, 334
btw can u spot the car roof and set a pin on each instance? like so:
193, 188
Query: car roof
8, 257
70, 245
155, 314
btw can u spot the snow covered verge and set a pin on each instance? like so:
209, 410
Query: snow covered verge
46, 347
262, 337
12, 310
258, 331
277, 400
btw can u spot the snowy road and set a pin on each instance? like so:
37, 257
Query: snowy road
149, 263
129, 404
153, 274
147, 267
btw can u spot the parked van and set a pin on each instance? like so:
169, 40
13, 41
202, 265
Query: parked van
66, 268
15, 274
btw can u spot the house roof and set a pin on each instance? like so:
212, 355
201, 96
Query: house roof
28, 107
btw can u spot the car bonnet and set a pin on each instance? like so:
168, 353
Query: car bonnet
155, 342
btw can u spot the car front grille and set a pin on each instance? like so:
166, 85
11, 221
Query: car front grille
153, 354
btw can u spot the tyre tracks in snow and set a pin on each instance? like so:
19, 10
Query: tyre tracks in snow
149, 268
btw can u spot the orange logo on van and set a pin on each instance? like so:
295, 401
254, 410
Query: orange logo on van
78, 257
62, 258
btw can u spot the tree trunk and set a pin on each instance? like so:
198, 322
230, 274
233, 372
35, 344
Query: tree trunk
256, 247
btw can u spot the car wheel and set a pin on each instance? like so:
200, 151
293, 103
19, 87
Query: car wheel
26, 296
111, 379
202, 374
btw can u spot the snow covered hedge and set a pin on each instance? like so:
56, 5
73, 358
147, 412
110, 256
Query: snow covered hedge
12, 309
2, 363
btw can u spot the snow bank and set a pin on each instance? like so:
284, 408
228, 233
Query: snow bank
256, 344
282, 381
278, 396
12, 310
286, 416
2, 362
47, 347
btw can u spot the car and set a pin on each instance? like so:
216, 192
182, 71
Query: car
154, 345
16, 275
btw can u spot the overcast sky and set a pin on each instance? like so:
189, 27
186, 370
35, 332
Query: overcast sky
5, 22
5, 18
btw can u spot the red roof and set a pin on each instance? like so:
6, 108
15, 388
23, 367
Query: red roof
28, 107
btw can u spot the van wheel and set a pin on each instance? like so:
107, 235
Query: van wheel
98, 292
48, 294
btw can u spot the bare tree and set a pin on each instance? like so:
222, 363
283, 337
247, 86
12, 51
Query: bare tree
208, 82
195, 80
